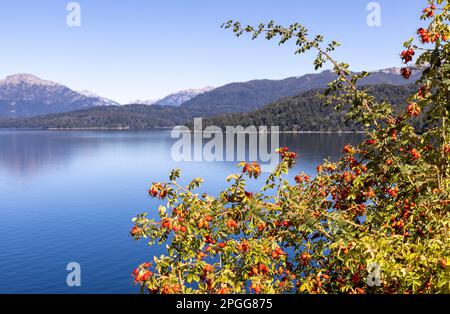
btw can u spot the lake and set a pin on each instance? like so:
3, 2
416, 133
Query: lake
69, 196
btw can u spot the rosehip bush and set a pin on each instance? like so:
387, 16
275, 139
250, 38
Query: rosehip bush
385, 202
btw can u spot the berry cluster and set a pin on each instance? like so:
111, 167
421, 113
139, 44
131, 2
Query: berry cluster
413, 110
158, 190
407, 55
252, 169
142, 273
429, 11
302, 178
429, 37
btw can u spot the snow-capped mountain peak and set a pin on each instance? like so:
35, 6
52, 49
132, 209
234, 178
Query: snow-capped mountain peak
101, 100
25, 78
175, 99
144, 102
87, 93
197, 90
393, 70
179, 98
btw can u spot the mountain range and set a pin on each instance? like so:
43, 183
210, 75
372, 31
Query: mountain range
303, 112
24, 96
252, 95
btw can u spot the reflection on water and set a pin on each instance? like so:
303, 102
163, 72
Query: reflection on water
312, 147
70, 196
26, 153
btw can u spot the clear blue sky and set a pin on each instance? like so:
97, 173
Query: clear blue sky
141, 49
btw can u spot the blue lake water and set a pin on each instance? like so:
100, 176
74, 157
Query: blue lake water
69, 196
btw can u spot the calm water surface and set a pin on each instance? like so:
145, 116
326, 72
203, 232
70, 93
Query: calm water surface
70, 196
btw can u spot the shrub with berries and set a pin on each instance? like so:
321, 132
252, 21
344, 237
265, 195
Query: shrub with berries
385, 202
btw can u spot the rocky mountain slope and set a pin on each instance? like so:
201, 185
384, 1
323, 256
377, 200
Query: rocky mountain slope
25, 95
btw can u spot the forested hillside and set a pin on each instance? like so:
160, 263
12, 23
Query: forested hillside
252, 95
109, 117
307, 112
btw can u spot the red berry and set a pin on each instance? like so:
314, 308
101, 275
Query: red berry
146, 276
153, 191
135, 231
261, 227
406, 73
447, 149
348, 149
208, 268
414, 154
167, 224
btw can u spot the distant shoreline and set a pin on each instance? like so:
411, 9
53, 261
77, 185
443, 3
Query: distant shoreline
169, 129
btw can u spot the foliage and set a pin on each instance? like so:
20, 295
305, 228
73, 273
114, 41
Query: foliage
385, 202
